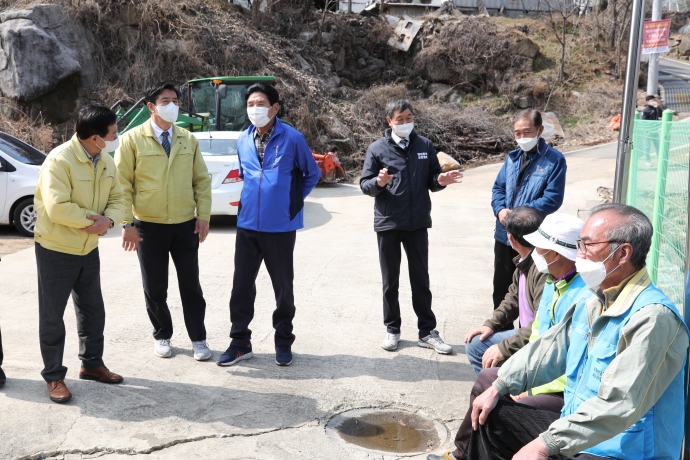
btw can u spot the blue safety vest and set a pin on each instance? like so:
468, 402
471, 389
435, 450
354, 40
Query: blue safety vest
548, 317
659, 433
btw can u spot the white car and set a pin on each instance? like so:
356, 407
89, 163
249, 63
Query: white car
19, 166
219, 149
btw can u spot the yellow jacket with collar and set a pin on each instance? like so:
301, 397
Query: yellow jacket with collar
69, 188
159, 189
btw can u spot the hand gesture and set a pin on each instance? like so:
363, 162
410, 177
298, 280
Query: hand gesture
483, 405
201, 229
384, 178
492, 356
485, 332
450, 177
100, 225
503, 214
130, 239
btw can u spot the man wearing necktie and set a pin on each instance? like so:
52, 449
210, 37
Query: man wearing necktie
399, 170
168, 208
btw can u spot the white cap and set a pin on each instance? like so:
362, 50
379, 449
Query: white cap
558, 232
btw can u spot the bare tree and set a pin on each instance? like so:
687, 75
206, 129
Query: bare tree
560, 11
326, 7
256, 13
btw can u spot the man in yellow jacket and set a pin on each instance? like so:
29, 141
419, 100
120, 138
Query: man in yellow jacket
78, 198
167, 210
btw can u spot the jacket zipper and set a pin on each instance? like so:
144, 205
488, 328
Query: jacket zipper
409, 182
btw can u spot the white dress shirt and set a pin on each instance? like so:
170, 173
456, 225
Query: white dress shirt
159, 132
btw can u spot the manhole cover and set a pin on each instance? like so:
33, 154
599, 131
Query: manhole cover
386, 431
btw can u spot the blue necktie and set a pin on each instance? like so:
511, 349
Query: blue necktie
403, 143
166, 143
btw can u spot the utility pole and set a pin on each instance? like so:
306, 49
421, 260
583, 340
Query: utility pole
629, 101
349, 6
653, 74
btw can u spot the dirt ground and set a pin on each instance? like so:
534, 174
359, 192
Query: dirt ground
11, 241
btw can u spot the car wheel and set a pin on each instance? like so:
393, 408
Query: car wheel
25, 217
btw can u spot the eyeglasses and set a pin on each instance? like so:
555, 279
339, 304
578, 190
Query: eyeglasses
582, 246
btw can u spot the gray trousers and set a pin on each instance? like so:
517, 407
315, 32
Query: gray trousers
60, 275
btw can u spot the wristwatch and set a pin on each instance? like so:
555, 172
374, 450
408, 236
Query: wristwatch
128, 225
112, 223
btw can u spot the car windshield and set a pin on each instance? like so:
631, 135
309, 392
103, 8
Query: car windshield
212, 147
22, 152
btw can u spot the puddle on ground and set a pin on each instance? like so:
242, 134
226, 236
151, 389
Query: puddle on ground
390, 431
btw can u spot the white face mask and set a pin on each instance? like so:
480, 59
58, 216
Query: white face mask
540, 262
168, 112
110, 146
594, 273
404, 130
258, 116
527, 143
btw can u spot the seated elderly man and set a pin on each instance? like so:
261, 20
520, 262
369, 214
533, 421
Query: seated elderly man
623, 353
490, 344
555, 243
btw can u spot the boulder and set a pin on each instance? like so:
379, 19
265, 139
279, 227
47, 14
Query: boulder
326, 38
448, 163
45, 58
306, 36
302, 62
684, 47
339, 63
441, 92
35, 61
552, 127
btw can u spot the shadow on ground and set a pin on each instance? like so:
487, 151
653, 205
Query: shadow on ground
138, 400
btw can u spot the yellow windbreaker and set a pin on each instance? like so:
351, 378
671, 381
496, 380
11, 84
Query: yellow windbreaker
69, 188
159, 189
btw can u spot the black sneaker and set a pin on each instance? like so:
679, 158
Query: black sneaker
2, 377
235, 354
283, 356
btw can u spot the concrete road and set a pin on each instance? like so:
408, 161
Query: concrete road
179, 408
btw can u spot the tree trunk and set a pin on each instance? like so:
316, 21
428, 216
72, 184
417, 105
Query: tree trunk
256, 14
614, 26
561, 70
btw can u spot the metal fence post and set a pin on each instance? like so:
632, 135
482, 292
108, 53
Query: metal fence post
660, 191
634, 152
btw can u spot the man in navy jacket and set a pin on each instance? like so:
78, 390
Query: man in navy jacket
279, 172
399, 170
534, 176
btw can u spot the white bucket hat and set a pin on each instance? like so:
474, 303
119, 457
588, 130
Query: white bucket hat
558, 232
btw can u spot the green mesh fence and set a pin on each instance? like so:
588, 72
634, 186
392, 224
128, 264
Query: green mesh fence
658, 186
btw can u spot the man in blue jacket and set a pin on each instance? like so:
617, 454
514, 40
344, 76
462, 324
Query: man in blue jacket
279, 172
534, 176
399, 170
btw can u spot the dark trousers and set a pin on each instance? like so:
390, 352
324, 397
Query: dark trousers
182, 244
416, 244
503, 272
1, 355
509, 427
60, 275
548, 402
276, 251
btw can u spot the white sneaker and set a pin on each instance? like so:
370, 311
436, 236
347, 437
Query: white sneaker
162, 348
201, 350
433, 340
390, 343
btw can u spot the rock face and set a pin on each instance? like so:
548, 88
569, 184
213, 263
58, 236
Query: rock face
684, 47
41, 52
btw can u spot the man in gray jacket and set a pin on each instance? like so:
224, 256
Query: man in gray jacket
494, 342
622, 350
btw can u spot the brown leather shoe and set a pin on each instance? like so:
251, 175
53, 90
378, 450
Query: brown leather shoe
58, 392
100, 374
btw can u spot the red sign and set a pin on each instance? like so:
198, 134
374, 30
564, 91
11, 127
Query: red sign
656, 36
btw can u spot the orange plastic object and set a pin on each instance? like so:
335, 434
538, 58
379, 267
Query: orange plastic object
329, 168
615, 123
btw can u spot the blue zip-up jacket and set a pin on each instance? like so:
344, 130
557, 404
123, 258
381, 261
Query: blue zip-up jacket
543, 184
272, 197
